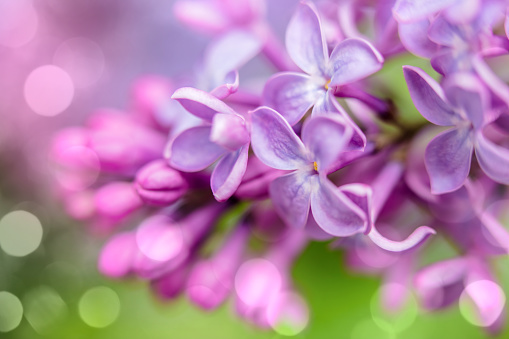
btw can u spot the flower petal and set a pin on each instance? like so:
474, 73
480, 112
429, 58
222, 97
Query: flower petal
326, 137
229, 131
493, 159
413, 10
447, 159
428, 97
305, 42
334, 212
467, 94
414, 37
274, 142
228, 174
292, 94
192, 150
413, 240
290, 195
352, 60
201, 104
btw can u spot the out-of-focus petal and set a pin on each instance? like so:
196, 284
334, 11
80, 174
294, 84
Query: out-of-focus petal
467, 94
491, 80
445, 33
290, 195
326, 137
229, 53
228, 174
292, 94
493, 159
305, 42
428, 97
463, 12
448, 157
201, 104
193, 151
414, 36
352, 60
202, 15
334, 212
274, 142
414, 10
413, 240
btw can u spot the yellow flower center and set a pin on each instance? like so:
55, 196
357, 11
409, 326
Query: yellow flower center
327, 84
315, 166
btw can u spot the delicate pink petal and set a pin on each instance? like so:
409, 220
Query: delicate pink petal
291, 197
448, 158
413, 240
326, 137
200, 103
305, 42
352, 60
493, 159
228, 174
414, 36
334, 212
464, 11
193, 151
202, 15
274, 142
428, 97
292, 94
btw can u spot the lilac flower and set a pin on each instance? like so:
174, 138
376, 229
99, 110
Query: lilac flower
225, 136
292, 94
324, 139
462, 103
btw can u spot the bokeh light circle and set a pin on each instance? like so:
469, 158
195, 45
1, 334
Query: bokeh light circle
20, 233
49, 90
11, 311
288, 314
160, 242
482, 302
44, 308
19, 23
257, 281
82, 59
99, 307
393, 321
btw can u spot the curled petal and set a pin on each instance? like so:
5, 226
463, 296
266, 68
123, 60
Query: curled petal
192, 150
326, 137
334, 212
447, 160
229, 85
493, 159
352, 60
274, 142
305, 42
228, 174
413, 240
428, 97
292, 94
291, 197
201, 104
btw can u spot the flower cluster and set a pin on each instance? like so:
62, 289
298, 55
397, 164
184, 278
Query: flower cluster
309, 148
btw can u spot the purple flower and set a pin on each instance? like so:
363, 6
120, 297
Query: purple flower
224, 136
463, 104
292, 94
324, 139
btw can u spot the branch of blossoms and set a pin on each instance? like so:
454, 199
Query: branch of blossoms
281, 158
